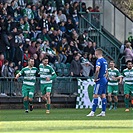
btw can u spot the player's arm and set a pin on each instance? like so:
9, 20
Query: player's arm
19, 74
53, 75
96, 73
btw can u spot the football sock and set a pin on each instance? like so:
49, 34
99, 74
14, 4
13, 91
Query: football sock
95, 102
48, 106
30, 102
104, 101
116, 104
126, 100
110, 103
26, 105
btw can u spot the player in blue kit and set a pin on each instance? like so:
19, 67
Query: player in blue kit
101, 83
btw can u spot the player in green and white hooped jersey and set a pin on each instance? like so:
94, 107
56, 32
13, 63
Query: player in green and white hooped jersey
47, 74
128, 84
29, 73
113, 77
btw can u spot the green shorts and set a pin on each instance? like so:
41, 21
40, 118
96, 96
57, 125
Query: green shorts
46, 88
28, 91
113, 89
128, 89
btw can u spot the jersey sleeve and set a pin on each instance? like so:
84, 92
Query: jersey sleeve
98, 63
21, 72
53, 73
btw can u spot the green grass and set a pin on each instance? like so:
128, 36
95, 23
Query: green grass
65, 120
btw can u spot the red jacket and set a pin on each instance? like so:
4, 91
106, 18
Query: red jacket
26, 57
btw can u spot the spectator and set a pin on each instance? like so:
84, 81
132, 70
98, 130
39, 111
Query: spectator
32, 48
4, 71
26, 58
19, 59
76, 67
89, 48
128, 52
1, 62
61, 16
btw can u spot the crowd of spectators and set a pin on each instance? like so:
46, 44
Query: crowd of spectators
42, 28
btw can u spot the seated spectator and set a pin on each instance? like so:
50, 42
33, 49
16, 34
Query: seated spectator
61, 16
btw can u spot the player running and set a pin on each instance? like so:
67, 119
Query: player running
29, 73
47, 74
101, 83
113, 78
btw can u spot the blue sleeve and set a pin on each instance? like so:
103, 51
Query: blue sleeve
98, 63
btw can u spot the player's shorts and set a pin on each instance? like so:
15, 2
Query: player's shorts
113, 89
46, 88
100, 87
128, 89
28, 91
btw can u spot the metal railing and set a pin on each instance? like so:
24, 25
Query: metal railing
95, 34
9, 87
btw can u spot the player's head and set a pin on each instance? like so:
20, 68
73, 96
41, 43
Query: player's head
112, 64
31, 62
98, 52
129, 64
45, 61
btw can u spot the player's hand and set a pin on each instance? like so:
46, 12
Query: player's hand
47, 79
17, 76
114, 78
96, 80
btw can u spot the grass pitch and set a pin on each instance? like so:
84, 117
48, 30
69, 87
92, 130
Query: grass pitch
65, 120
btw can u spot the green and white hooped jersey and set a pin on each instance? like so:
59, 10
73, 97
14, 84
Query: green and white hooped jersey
29, 75
128, 76
46, 71
113, 73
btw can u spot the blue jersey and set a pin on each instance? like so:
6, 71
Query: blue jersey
102, 63
101, 84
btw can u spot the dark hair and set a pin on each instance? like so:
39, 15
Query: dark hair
129, 61
45, 58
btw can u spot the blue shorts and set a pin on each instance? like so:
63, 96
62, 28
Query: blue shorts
100, 87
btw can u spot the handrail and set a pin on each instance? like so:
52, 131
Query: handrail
99, 31
120, 10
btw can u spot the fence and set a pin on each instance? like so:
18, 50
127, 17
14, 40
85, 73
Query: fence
61, 85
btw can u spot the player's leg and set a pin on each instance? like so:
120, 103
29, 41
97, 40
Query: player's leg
31, 95
115, 92
109, 90
48, 92
126, 99
95, 99
43, 91
132, 96
102, 92
25, 99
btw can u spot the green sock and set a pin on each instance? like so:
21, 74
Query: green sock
126, 100
48, 106
110, 103
116, 104
26, 105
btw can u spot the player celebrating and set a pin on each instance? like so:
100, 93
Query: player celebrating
113, 77
47, 74
30, 72
101, 83
128, 84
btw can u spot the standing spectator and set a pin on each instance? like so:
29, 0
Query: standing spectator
32, 49
128, 52
30, 72
19, 59
76, 67
47, 74
4, 71
26, 58
128, 84
1, 62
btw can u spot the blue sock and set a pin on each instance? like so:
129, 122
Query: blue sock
104, 101
95, 102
